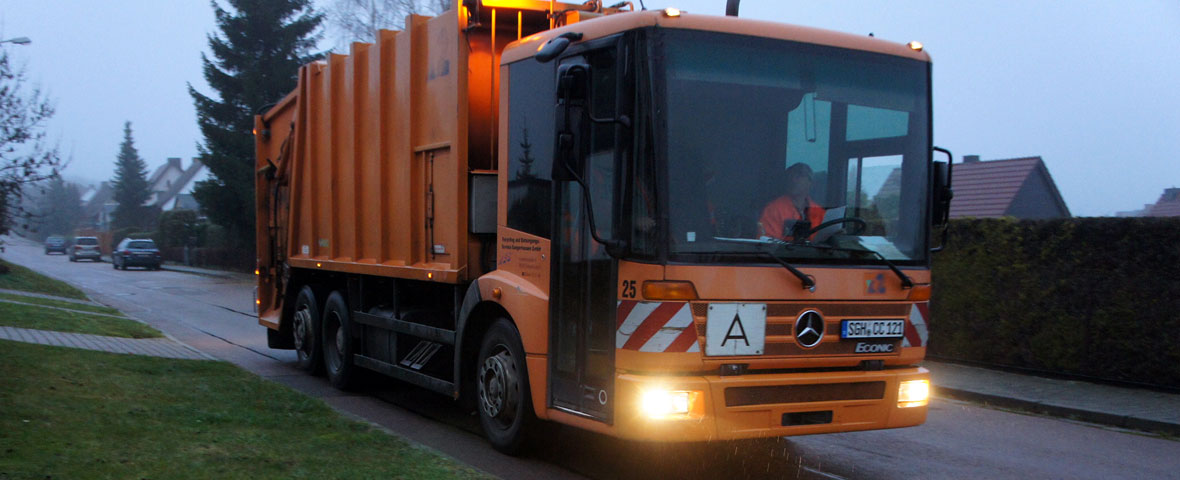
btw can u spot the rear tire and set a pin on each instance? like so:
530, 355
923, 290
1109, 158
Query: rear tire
502, 389
337, 342
305, 332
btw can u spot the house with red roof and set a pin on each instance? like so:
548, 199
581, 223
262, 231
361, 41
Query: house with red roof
1167, 206
1015, 187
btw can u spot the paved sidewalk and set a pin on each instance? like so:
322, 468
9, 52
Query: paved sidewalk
1132, 408
155, 347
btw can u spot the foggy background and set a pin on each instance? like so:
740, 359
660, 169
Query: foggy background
1090, 86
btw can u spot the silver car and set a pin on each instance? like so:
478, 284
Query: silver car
85, 248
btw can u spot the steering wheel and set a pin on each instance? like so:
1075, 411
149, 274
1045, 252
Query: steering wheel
861, 226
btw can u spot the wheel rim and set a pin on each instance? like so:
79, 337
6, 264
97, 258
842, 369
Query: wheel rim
498, 387
300, 329
335, 345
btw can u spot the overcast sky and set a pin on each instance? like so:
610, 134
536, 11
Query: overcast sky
1090, 86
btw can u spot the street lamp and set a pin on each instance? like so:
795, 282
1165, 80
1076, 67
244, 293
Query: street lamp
18, 40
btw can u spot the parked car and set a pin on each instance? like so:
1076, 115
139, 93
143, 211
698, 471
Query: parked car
85, 247
55, 243
136, 252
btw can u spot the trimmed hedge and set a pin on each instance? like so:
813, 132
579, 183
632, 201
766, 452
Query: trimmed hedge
1093, 296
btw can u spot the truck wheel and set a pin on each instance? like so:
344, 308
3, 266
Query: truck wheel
305, 330
502, 388
337, 342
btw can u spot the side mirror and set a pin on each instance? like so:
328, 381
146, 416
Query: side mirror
566, 168
573, 82
941, 195
573, 88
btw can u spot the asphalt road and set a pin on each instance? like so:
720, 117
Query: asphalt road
959, 440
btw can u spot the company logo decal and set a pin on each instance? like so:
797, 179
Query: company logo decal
809, 329
874, 283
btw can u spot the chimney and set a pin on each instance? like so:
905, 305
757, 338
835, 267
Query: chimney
174, 161
970, 158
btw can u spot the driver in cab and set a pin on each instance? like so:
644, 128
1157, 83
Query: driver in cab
780, 216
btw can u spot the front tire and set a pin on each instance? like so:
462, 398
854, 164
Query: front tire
337, 342
305, 332
502, 389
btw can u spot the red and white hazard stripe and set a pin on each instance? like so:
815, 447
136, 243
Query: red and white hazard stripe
655, 327
916, 333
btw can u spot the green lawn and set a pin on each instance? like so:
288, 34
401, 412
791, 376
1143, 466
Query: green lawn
23, 279
80, 414
60, 304
41, 318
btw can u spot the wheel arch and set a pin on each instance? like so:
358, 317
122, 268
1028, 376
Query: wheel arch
522, 305
321, 286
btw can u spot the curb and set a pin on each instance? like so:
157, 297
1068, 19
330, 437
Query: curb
1090, 416
214, 274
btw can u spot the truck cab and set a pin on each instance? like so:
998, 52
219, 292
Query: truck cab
644, 171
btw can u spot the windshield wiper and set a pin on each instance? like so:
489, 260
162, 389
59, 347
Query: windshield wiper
807, 280
906, 282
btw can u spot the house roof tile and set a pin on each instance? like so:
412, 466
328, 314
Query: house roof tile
988, 188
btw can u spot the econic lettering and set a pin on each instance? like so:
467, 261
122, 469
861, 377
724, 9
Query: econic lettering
863, 347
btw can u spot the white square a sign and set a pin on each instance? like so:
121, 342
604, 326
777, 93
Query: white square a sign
733, 329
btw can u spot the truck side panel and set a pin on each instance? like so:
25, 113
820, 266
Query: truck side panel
378, 170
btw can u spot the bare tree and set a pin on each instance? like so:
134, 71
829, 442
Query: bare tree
358, 20
26, 157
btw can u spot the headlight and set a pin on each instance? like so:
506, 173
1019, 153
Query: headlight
665, 404
913, 393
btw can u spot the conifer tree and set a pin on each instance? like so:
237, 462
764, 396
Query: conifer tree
256, 57
131, 185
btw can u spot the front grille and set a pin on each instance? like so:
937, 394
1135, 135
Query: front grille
780, 326
744, 396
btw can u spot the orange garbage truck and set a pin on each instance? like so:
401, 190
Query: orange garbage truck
655, 225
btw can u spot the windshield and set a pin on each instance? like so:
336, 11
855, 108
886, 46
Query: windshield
141, 244
87, 241
768, 139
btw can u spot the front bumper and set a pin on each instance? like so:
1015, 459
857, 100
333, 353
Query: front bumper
771, 405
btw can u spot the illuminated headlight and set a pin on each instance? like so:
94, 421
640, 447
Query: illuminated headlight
913, 393
662, 404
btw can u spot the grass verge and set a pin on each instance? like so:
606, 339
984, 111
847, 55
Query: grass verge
41, 318
25, 280
81, 414
49, 302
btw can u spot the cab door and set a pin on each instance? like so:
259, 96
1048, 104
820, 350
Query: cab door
583, 277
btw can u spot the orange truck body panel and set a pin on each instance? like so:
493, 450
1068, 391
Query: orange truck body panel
375, 152
378, 152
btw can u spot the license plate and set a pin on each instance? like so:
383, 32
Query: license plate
872, 328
